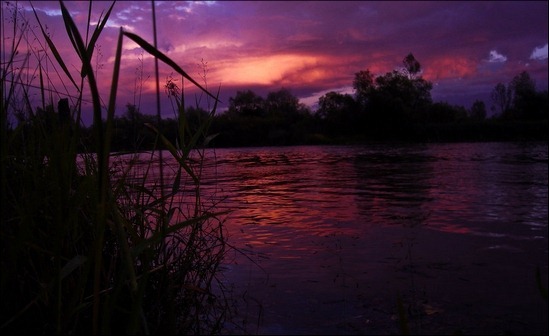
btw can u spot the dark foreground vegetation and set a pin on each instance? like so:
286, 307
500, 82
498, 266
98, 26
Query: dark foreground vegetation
93, 243
91, 246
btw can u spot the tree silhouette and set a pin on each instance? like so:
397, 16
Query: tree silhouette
246, 103
364, 85
501, 98
411, 66
520, 99
283, 104
523, 89
338, 111
478, 110
398, 96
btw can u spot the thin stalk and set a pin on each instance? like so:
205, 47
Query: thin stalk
158, 120
101, 157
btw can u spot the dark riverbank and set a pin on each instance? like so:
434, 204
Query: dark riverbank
485, 131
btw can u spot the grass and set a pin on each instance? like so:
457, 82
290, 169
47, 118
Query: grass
89, 245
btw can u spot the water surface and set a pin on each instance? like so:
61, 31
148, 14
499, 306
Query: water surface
333, 239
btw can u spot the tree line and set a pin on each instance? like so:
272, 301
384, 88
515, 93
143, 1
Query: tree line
396, 106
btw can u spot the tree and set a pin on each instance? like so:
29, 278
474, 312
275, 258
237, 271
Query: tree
276, 120
523, 90
522, 86
478, 110
501, 99
363, 84
333, 104
411, 66
443, 112
338, 111
520, 100
414, 93
246, 103
132, 113
283, 103
195, 117
398, 96
129, 131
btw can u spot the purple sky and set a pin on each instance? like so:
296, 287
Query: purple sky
465, 47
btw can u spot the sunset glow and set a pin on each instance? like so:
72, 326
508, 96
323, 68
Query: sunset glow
450, 67
465, 48
264, 70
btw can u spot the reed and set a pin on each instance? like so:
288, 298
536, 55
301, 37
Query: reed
89, 245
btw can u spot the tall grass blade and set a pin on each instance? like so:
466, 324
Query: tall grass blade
114, 88
157, 53
74, 36
73, 264
173, 150
81, 50
53, 49
102, 157
95, 36
159, 235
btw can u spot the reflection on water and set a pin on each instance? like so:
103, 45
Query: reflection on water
465, 188
332, 235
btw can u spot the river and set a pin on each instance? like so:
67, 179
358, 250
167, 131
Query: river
337, 239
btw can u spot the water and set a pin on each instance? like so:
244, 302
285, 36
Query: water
333, 239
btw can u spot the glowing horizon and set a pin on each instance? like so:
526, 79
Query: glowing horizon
314, 47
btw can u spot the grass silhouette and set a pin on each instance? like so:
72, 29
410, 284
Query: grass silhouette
89, 245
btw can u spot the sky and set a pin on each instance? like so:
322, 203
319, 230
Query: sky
465, 48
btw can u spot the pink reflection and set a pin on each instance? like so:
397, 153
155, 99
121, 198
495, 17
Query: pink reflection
326, 234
